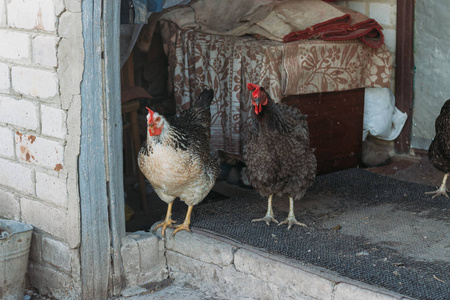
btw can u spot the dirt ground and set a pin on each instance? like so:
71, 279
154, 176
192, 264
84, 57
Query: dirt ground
411, 168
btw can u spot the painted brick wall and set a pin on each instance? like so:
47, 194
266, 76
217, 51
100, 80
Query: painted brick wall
41, 62
431, 68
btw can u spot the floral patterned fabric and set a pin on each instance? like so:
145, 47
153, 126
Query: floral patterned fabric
227, 63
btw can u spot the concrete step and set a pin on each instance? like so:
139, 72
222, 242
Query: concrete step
224, 269
172, 291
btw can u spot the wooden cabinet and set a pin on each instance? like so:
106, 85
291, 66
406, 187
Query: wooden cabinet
335, 123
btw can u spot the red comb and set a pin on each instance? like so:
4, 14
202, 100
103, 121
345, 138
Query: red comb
255, 88
151, 112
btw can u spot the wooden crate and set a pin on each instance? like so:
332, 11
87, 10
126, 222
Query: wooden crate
335, 123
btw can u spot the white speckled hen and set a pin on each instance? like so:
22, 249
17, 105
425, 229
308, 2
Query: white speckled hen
177, 159
439, 151
277, 153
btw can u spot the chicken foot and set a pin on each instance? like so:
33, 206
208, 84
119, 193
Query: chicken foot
187, 221
168, 221
291, 220
442, 190
269, 215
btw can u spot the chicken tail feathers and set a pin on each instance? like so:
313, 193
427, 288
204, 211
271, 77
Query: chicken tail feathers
204, 99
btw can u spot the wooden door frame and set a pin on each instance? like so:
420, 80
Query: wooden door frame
404, 71
100, 161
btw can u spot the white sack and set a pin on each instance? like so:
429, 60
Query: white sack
381, 118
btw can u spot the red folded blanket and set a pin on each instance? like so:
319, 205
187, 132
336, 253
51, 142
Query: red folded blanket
351, 25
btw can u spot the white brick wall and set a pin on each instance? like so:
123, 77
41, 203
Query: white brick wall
53, 121
5, 79
383, 13
16, 176
32, 14
10, 206
6, 143
44, 50
15, 45
73, 5
35, 83
39, 151
21, 113
51, 189
69, 62
56, 253
2, 13
43, 216
358, 6
38, 182
390, 39
50, 280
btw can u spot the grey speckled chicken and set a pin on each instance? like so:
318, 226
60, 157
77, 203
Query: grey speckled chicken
277, 153
177, 159
439, 151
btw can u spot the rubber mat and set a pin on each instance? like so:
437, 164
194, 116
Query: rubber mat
368, 227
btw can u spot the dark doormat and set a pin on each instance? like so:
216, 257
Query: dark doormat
364, 226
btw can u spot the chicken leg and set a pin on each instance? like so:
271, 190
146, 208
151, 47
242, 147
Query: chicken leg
269, 215
442, 190
168, 221
187, 221
291, 220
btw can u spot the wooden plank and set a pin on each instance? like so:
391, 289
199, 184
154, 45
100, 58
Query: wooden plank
95, 238
335, 122
404, 72
111, 29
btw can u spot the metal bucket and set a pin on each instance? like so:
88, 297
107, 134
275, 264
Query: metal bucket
15, 240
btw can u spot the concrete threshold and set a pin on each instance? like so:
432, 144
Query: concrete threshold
204, 265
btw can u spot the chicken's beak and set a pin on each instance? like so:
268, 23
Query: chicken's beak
257, 104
